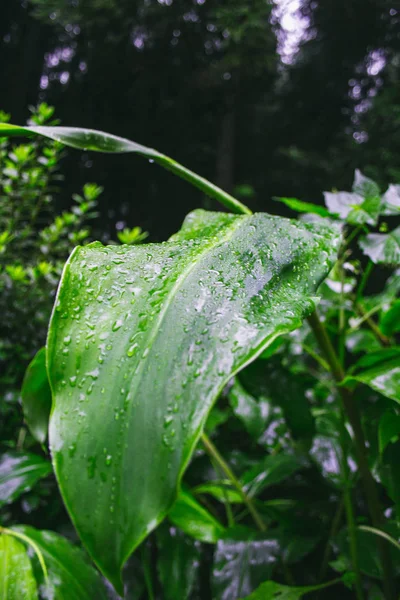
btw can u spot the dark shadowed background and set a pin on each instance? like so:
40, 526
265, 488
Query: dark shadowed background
264, 98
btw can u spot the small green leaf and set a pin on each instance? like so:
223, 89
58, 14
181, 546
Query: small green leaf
194, 520
277, 591
382, 247
368, 549
364, 186
70, 575
389, 322
353, 208
304, 207
389, 429
36, 397
16, 575
222, 492
391, 201
19, 473
270, 471
240, 565
177, 563
248, 410
383, 374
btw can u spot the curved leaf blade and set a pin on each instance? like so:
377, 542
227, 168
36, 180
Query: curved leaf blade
16, 575
100, 141
19, 473
194, 520
36, 396
70, 575
153, 334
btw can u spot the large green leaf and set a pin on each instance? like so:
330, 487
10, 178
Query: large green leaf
18, 474
70, 575
36, 396
142, 341
16, 576
100, 141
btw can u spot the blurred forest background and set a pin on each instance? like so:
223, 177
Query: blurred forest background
283, 98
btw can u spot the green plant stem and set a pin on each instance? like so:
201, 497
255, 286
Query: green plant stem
220, 461
333, 531
382, 339
353, 541
202, 184
353, 415
364, 279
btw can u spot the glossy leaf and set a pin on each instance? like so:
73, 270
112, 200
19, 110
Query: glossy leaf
304, 207
153, 333
36, 397
251, 412
391, 201
383, 375
382, 247
364, 186
389, 429
270, 590
368, 549
222, 492
70, 574
271, 471
16, 575
100, 141
241, 565
194, 520
270, 380
389, 322
353, 208
177, 564
19, 472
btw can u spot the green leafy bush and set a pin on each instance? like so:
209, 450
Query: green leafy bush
35, 240
161, 354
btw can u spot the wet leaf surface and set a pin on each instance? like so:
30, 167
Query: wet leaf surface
142, 341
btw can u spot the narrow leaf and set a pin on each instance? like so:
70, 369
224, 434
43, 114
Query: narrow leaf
271, 471
19, 473
36, 397
277, 591
304, 207
70, 575
154, 333
99, 141
16, 575
194, 520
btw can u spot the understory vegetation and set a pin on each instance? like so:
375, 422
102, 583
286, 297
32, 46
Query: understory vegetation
214, 416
